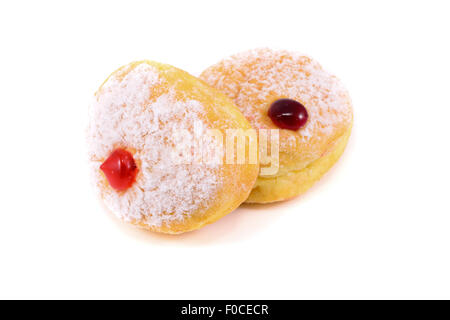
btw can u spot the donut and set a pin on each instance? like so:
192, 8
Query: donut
152, 158
291, 93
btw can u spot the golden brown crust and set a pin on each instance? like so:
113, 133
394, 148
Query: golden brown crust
295, 182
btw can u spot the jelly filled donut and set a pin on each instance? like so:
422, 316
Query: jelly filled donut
292, 93
152, 158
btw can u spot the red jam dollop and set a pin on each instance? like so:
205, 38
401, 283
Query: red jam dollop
288, 114
120, 169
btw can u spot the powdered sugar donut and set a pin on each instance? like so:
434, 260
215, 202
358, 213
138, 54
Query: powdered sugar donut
152, 158
290, 92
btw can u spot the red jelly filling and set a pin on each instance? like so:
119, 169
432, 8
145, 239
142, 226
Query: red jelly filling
120, 169
288, 114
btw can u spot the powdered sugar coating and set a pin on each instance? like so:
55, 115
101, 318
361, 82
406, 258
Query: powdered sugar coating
127, 113
256, 78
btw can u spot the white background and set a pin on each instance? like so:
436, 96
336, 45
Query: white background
377, 226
